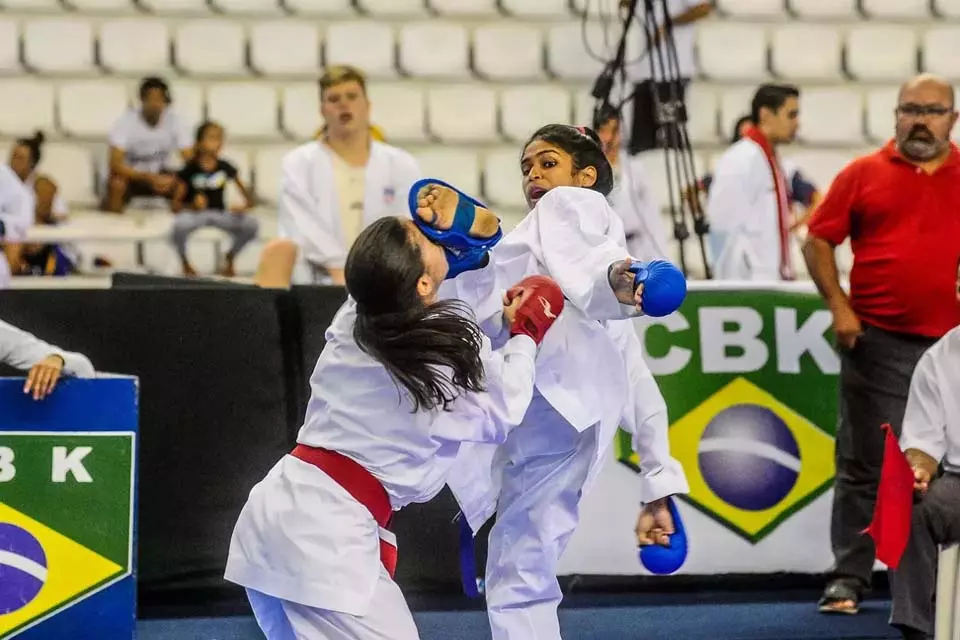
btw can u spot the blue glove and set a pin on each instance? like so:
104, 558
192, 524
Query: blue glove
464, 253
661, 560
664, 286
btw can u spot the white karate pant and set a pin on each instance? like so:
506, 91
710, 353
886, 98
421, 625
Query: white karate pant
544, 462
389, 618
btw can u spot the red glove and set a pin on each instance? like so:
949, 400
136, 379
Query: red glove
539, 311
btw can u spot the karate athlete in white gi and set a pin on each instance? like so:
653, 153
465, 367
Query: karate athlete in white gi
333, 187
45, 362
402, 382
590, 380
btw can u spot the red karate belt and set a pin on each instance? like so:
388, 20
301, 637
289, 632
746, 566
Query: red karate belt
893, 513
360, 484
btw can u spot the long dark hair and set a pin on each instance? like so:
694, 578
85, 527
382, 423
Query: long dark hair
583, 145
432, 351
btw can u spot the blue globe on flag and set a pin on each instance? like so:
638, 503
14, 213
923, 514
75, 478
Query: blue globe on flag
23, 568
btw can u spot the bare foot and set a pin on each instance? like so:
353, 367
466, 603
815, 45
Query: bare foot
227, 270
189, 271
437, 206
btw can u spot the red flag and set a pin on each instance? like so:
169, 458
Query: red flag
893, 512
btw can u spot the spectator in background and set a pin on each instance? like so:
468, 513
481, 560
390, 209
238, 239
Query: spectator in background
200, 200
330, 189
141, 141
45, 362
16, 216
930, 438
49, 209
900, 207
748, 207
632, 198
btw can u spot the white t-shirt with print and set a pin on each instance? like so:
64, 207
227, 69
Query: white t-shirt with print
147, 148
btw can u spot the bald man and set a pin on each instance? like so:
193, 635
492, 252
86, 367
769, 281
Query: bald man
900, 208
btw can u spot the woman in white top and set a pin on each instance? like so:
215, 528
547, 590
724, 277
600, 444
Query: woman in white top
402, 382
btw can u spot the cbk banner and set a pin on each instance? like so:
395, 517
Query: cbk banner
750, 380
67, 509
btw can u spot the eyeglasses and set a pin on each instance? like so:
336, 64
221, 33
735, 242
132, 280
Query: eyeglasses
918, 110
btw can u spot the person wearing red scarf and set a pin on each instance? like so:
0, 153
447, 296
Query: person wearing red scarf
749, 205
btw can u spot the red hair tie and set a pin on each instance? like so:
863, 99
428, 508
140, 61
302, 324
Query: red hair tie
582, 130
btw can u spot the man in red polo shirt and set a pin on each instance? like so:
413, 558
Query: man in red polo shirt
900, 207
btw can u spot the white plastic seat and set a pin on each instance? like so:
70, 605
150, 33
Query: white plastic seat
583, 106
9, 47
88, 108
434, 50
473, 8
266, 167
734, 104
537, 8
824, 8
323, 8
285, 48
400, 110
71, 167
459, 167
58, 45
752, 8
897, 9
33, 5
245, 109
831, 116
881, 52
502, 180
392, 8
523, 110
29, 104
175, 7
94, 6
941, 51
300, 111
188, 102
509, 51
210, 47
822, 48
249, 7
701, 114
732, 52
134, 46
568, 58
947, 8
466, 113
819, 166
881, 119
367, 45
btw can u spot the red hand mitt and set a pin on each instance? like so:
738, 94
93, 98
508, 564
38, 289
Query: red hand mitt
541, 308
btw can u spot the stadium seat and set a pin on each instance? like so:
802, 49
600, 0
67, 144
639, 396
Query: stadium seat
881, 119
459, 167
897, 9
466, 113
324, 8
434, 50
734, 104
266, 167
210, 48
471, 8
285, 48
189, 102
537, 8
240, 158
824, 8
567, 56
832, 116
134, 46
583, 106
392, 8
523, 110
300, 113
941, 51
259, 7
245, 109
94, 6
822, 57
819, 166
175, 7
752, 8
502, 180
881, 52
508, 52
399, 109
32, 5
732, 52
28, 105
947, 8
9, 47
367, 45
701, 114
88, 108
71, 167
58, 46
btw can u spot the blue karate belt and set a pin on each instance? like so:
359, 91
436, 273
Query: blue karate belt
464, 253
664, 286
472, 585
661, 560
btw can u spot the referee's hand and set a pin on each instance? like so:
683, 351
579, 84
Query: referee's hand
846, 326
43, 377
